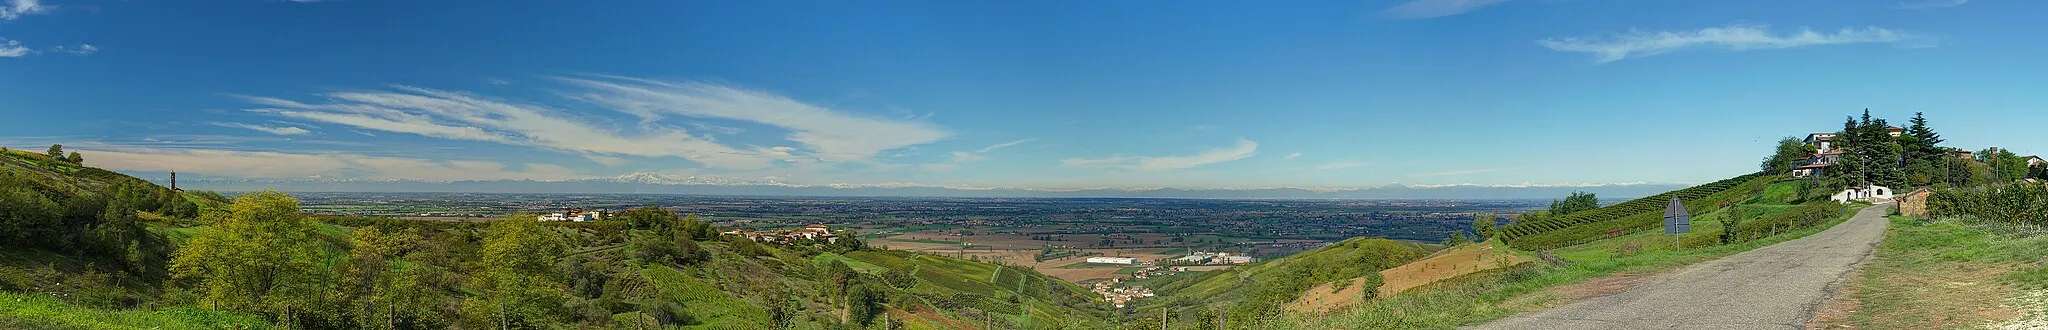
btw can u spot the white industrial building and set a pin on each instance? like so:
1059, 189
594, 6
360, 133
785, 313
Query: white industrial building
1113, 260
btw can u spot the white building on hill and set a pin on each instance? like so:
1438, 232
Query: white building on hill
1873, 194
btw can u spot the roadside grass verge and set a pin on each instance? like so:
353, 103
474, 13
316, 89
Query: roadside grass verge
1491, 295
1946, 274
33, 311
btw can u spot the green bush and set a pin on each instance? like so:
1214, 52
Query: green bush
2013, 205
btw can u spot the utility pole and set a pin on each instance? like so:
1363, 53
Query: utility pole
1162, 319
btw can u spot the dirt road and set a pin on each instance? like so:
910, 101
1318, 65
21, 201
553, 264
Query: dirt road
1774, 287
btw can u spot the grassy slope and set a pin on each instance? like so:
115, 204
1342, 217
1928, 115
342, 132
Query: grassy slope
941, 276
1490, 295
1971, 274
31, 311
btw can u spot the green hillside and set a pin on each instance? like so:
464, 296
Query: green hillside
92, 249
1628, 217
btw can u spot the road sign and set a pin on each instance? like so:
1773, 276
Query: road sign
1675, 220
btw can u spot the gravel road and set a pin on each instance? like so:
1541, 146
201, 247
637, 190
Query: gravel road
1773, 287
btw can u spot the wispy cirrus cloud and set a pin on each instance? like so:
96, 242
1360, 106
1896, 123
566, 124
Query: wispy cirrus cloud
80, 49
1291, 156
14, 9
1740, 37
283, 165
1419, 9
1930, 4
964, 157
1003, 145
280, 130
462, 116
831, 134
1241, 150
827, 135
13, 48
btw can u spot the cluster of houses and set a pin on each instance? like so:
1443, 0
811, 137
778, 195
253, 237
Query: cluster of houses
1826, 154
1214, 258
576, 215
815, 233
1117, 294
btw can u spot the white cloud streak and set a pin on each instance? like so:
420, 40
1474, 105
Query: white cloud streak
1243, 149
965, 157
423, 111
1002, 145
1419, 9
278, 165
1616, 47
1291, 156
18, 8
832, 134
267, 130
13, 48
80, 50
1930, 4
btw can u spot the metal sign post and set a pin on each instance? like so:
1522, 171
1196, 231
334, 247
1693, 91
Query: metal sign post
1676, 221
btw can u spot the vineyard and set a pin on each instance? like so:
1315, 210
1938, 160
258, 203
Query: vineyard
1629, 217
2016, 206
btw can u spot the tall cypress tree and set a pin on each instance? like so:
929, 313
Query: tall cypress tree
1870, 155
1846, 172
1922, 153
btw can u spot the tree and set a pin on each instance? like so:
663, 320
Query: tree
75, 158
2005, 166
517, 283
56, 152
1920, 147
649, 218
781, 309
1789, 152
260, 256
1457, 238
27, 217
1871, 156
1483, 226
848, 241
1578, 201
371, 279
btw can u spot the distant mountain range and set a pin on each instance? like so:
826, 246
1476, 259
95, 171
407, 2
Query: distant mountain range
645, 183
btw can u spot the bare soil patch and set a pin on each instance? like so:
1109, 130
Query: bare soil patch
1444, 265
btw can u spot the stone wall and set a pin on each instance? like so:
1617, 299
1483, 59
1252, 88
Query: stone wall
1915, 203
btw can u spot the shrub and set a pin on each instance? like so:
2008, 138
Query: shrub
2013, 205
1371, 286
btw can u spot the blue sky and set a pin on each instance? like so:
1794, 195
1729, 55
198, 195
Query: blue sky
1037, 94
